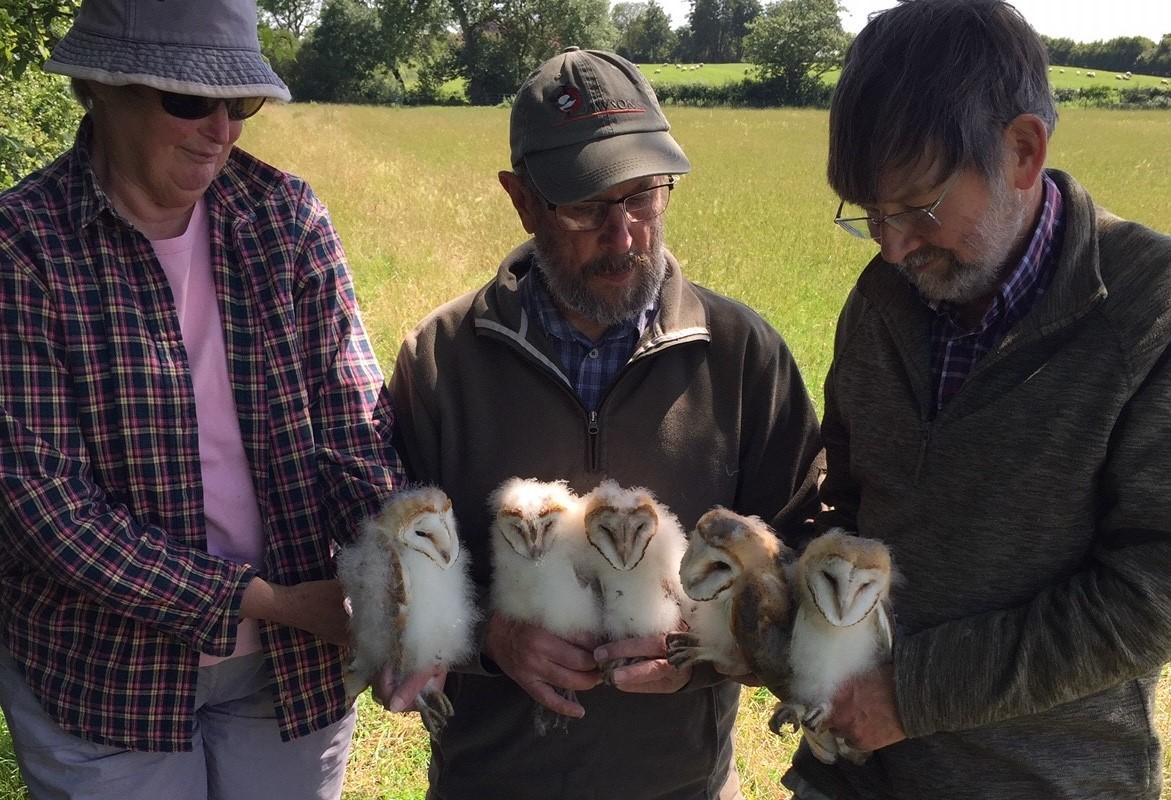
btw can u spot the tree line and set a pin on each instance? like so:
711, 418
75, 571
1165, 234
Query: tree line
1136, 54
405, 51
380, 51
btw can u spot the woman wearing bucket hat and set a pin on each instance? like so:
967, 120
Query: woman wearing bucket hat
169, 625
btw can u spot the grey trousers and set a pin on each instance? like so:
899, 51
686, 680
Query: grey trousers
238, 752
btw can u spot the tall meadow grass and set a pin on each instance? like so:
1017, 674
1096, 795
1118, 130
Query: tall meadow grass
415, 197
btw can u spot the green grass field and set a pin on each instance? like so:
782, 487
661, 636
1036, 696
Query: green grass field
706, 74
718, 74
414, 195
670, 74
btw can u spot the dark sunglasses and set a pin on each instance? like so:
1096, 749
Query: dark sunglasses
192, 106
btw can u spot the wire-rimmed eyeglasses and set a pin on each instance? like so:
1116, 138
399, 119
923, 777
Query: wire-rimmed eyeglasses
589, 215
920, 219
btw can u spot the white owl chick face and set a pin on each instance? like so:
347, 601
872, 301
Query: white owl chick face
529, 514
433, 534
712, 561
845, 576
620, 523
422, 519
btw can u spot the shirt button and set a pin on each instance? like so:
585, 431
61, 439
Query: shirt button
594, 353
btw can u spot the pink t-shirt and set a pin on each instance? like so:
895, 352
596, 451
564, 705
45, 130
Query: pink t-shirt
234, 529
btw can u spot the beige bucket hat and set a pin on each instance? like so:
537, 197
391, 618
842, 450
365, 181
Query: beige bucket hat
201, 47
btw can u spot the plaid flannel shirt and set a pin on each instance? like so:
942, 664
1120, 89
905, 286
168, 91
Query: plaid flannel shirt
954, 348
107, 593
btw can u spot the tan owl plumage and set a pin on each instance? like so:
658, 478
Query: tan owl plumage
411, 596
541, 566
638, 545
736, 570
842, 628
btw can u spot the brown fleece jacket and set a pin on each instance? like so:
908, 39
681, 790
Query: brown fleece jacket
710, 410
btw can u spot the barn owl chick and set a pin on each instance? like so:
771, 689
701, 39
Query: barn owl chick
411, 596
539, 575
735, 571
639, 544
842, 628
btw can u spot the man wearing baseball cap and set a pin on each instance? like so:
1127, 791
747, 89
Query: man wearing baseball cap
590, 356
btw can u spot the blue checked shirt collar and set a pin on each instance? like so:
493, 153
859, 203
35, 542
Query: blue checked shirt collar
590, 366
956, 349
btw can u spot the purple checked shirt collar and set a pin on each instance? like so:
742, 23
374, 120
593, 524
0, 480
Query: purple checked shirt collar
956, 349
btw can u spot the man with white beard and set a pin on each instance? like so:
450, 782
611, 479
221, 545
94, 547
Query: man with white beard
998, 413
589, 357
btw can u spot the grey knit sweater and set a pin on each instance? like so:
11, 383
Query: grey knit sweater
1030, 519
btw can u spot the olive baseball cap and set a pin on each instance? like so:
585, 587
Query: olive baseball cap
586, 120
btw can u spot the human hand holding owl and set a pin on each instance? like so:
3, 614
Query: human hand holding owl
650, 672
865, 713
395, 693
638, 544
412, 600
541, 662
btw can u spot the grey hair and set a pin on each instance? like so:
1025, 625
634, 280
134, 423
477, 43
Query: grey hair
934, 81
82, 93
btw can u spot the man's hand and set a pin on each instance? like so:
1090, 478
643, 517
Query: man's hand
652, 676
317, 607
864, 711
396, 695
538, 661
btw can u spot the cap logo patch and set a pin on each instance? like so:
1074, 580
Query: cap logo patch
568, 99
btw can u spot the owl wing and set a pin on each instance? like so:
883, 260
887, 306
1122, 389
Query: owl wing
397, 592
372, 577
761, 624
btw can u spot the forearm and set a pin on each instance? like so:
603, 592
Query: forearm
102, 553
313, 606
1103, 626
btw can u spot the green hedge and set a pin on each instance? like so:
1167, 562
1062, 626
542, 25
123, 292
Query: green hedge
38, 118
1128, 97
747, 93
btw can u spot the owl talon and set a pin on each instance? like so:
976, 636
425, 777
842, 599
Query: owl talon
683, 650
816, 717
785, 714
354, 685
546, 721
434, 709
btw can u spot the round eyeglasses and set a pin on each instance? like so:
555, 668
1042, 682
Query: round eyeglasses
589, 215
920, 219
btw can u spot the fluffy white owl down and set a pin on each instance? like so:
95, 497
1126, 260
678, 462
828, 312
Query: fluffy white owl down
411, 595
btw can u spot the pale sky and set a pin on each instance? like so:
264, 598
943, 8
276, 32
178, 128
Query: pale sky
1080, 20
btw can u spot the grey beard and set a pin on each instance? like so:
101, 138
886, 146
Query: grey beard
961, 283
572, 291
965, 281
